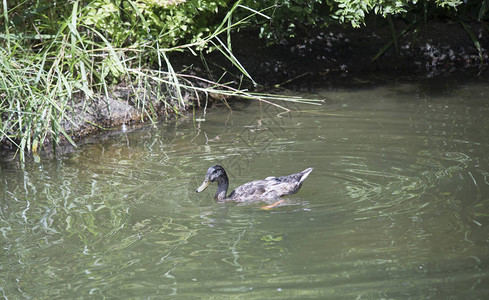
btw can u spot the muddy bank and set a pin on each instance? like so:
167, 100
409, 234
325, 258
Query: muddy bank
330, 56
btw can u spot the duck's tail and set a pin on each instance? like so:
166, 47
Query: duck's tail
305, 173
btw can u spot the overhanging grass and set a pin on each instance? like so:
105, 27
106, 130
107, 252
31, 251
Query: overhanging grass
46, 78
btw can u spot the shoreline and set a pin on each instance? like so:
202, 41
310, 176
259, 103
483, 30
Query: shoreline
336, 55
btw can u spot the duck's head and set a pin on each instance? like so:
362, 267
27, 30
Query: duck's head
214, 173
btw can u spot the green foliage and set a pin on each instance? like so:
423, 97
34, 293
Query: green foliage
166, 22
290, 16
287, 16
355, 11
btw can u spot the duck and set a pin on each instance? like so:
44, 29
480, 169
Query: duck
266, 189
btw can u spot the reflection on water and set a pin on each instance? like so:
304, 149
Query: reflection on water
397, 206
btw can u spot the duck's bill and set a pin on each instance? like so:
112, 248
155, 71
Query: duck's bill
204, 185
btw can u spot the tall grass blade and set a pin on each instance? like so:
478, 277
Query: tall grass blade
174, 80
230, 56
475, 41
7, 24
257, 12
391, 42
140, 15
113, 62
394, 34
482, 11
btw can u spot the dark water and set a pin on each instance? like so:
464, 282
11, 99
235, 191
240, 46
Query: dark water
397, 206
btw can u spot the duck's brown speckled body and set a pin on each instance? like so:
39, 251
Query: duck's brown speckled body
266, 189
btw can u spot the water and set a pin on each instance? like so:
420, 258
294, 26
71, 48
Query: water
397, 206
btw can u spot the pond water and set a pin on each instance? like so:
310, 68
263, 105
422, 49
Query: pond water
397, 205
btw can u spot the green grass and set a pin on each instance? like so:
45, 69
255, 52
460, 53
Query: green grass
46, 78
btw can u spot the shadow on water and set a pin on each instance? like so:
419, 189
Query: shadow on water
396, 207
